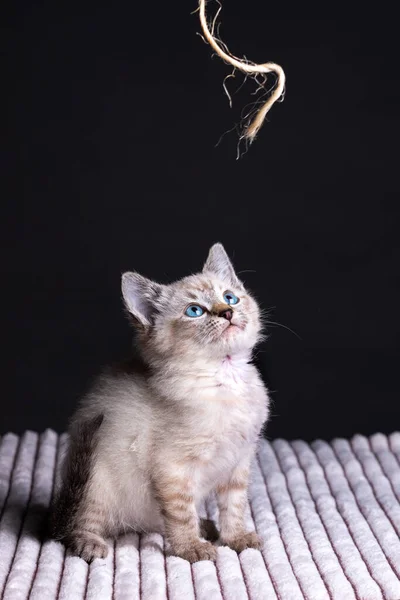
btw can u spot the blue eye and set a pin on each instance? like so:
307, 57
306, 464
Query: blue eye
230, 298
194, 310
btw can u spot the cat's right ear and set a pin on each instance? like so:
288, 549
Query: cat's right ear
140, 295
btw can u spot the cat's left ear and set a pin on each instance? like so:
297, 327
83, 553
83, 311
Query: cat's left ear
218, 264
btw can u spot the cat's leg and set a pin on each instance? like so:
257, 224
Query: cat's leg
86, 538
78, 515
232, 497
175, 496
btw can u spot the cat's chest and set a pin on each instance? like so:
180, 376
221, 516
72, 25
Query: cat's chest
222, 438
230, 416
221, 415
224, 433
231, 379
230, 413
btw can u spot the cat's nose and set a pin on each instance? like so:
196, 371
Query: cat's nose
222, 309
227, 313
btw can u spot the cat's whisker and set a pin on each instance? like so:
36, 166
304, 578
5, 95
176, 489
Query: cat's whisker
284, 327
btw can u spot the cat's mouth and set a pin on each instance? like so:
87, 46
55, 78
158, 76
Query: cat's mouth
233, 328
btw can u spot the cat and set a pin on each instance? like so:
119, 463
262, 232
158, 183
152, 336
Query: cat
156, 435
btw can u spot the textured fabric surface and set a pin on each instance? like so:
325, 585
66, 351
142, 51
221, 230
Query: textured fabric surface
329, 515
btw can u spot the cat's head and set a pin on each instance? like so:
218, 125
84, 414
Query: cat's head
208, 314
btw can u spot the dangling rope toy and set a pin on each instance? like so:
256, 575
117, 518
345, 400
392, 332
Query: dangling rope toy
247, 67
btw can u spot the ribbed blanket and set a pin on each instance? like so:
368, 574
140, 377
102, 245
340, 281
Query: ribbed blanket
328, 513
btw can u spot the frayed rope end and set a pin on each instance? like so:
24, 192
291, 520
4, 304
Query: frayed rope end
251, 129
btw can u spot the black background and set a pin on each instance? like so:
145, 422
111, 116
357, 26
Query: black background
109, 163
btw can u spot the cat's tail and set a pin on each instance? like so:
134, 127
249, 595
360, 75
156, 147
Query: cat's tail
77, 475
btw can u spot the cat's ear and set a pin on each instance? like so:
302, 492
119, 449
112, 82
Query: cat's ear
140, 295
219, 264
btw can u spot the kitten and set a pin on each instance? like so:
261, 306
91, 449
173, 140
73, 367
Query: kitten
157, 435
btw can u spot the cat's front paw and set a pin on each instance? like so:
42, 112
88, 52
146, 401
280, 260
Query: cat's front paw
195, 551
88, 547
248, 539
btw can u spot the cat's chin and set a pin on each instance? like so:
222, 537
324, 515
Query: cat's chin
234, 339
237, 338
